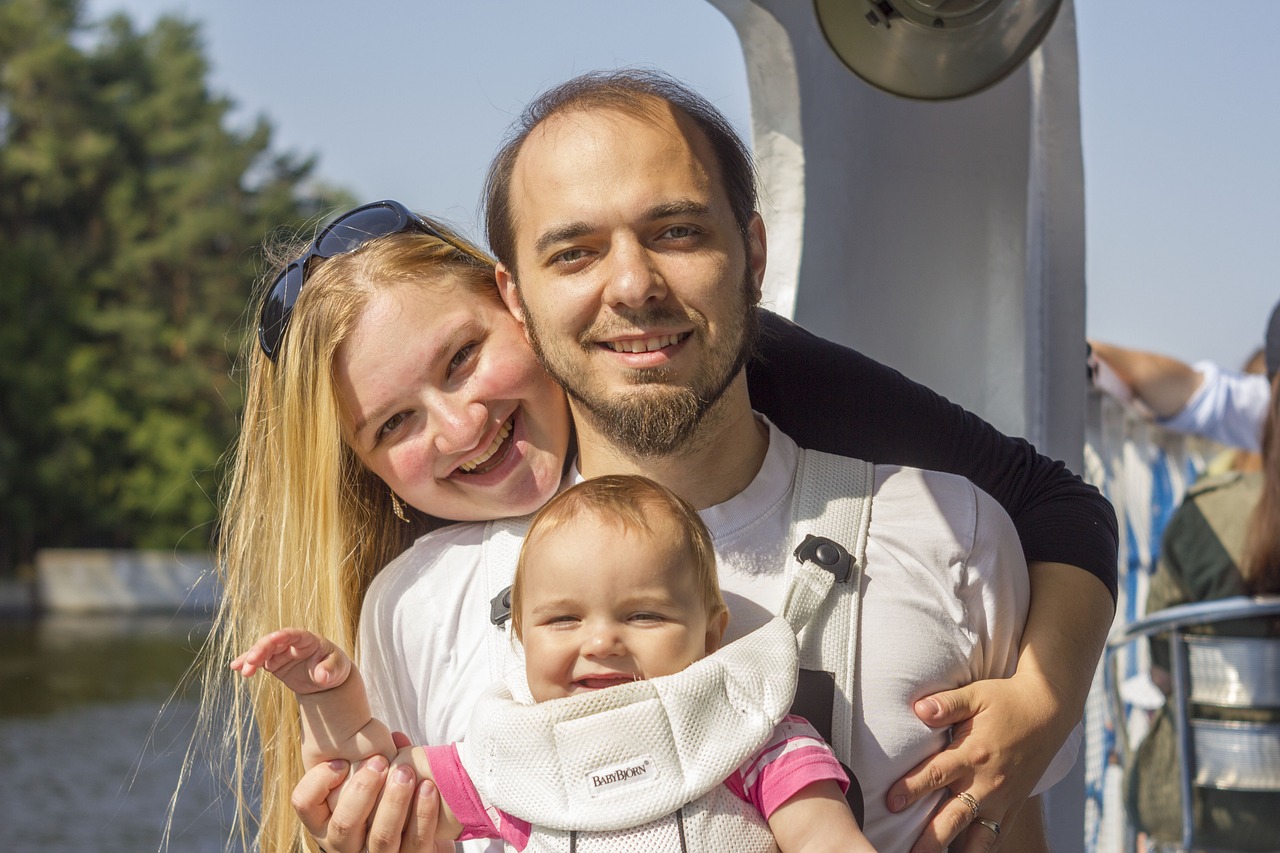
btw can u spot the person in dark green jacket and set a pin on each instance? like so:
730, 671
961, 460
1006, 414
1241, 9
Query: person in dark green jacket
1224, 540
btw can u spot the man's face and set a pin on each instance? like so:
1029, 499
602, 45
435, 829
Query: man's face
635, 284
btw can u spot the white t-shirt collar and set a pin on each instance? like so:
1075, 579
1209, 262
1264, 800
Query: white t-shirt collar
771, 486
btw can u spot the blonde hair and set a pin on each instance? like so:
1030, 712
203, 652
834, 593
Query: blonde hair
305, 526
631, 503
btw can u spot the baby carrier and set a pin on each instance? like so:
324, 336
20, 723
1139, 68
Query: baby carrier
642, 765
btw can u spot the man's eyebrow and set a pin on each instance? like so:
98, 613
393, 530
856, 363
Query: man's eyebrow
561, 234
681, 207
573, 230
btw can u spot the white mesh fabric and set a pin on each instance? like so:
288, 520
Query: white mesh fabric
722, 821
620, 757
719, 821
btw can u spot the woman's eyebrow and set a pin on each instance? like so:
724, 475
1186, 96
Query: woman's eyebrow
432, 357
376, 415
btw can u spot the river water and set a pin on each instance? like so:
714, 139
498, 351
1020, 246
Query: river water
90, 743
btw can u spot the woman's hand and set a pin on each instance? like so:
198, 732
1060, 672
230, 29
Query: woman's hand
376, 810
1005, 732
1004, 736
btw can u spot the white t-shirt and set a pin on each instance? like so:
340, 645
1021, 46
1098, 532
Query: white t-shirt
1229, 407
946, 596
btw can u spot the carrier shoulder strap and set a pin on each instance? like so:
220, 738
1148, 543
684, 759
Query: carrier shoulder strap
502, 541
832, 503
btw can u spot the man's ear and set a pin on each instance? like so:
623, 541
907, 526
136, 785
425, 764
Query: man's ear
757, 253
715, 630
507, 290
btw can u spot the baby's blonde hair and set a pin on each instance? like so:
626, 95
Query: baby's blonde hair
631, 503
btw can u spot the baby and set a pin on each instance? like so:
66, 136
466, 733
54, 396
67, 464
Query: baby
616, 582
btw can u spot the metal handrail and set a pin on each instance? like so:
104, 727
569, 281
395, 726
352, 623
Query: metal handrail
1172, 620
1199, 613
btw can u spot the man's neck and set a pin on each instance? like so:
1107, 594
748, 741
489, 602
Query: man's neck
720, 461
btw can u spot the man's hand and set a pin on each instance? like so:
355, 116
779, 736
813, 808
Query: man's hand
376, 810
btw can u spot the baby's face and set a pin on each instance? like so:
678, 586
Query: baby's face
603, 606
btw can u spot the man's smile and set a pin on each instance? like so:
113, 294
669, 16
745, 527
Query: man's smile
634, 345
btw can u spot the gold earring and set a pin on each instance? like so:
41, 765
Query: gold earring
398, 508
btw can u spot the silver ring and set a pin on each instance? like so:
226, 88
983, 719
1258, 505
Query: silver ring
969, 800
990, 824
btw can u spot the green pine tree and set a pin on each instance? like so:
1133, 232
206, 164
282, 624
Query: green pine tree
130, 212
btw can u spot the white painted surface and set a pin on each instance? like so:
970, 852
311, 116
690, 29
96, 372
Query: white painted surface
944, 239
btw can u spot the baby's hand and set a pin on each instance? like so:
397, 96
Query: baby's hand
305, 662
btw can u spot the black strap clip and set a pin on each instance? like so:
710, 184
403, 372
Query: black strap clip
830, 555
500, 608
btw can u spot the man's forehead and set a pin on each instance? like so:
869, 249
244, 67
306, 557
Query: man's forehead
550, 156
567, 133
644, 109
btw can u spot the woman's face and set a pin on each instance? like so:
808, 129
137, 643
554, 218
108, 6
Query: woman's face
443, 400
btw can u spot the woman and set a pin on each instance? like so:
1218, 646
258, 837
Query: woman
1210, 551
308, 516
394, 389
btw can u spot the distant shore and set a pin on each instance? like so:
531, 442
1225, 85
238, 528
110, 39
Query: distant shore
110, 581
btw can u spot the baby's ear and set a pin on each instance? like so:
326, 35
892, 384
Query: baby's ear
715, 630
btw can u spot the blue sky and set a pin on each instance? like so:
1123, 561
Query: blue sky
1180, 109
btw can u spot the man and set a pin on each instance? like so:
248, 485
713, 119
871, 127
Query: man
640, 299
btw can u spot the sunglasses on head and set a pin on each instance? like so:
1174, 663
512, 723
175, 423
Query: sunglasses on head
346, 233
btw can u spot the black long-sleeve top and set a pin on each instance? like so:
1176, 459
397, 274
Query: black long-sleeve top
798, 379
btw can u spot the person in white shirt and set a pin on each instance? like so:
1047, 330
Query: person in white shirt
1204, 398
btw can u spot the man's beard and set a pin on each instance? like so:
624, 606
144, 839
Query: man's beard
661, 419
